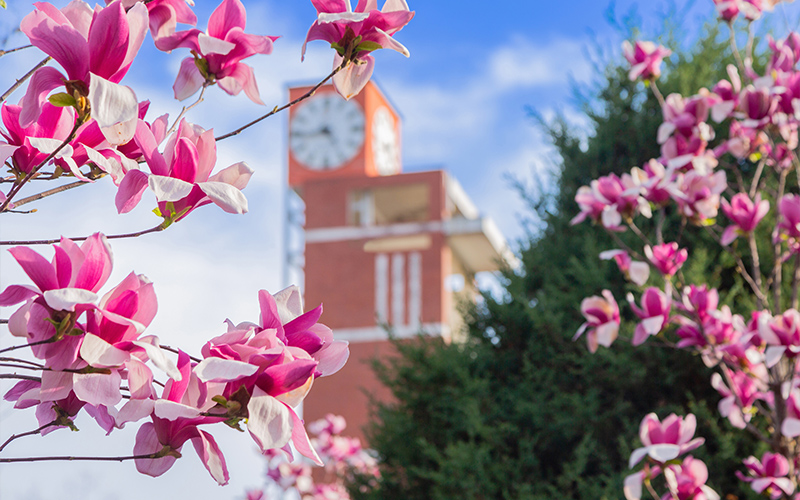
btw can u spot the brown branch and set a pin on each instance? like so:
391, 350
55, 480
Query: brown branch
51, 192
175, 351
14, 376
18, 186
741, 267
777, 271
29, 433
9, 51
80, 459
288, 105
22, 346
155, 229
23, 79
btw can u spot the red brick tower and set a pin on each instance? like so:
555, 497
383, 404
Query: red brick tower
381, 247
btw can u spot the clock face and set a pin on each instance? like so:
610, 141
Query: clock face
386, 153
326, 132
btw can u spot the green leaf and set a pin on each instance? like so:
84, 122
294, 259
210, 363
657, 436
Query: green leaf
62, 99
368, 46
3, 4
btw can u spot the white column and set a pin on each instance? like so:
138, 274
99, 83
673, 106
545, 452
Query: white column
414, 289
382, 287
398, 289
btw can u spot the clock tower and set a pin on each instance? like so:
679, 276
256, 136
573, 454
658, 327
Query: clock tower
383, 249
330, 137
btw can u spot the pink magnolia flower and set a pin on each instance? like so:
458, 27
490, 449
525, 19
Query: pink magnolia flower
20, 144
744, 213
688, 481
700, 301
634, 270
95, 48
64, 289
785, 53
608, 199
181, 176
654, 180
789, 223
684, 116
645, 59
782, 335
667, 257
355, 34
664, 441
165, 14
697, 194
602, 320
175, 420
654, 314
218, 53
737, 400
769, 475
757, 105
725, 97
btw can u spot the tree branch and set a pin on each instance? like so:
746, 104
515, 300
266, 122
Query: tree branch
23, 79
9, 51
18, 186
285, 106
51, 192
29, 433
155, 229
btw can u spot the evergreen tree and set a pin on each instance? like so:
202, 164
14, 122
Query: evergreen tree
523, 412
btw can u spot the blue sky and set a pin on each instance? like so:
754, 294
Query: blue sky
474, 68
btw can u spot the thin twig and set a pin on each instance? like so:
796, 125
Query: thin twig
742, 269
23, 346
175, 351
29, 433
24, 361
14, 376
79, 459
18, 186
155, 229
638, 232
657, 93
186, 109
285, 106
751, 239
735, 50
756, 177
796, 283
51, 192
23, 79
9, 51
777, 271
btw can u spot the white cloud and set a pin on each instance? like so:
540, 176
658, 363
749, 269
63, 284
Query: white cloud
524, 64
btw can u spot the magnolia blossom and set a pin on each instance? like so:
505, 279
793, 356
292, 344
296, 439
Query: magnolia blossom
789, 222
218, 53
96, 49
744, 213
602, 320
768, 475
664, 441
634, 270
667, 257
697, 194
608, 199
688, 481
654, 314
737, 398
181, 176
782, 335
355, 34
645, 59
